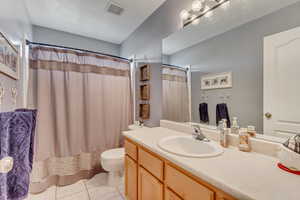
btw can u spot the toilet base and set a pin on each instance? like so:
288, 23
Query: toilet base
114, 178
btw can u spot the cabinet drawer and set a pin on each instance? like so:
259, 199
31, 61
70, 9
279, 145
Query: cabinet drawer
185, 187
153, 164
169, 195
131, 149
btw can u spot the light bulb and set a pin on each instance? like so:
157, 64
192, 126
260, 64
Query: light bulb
197, 5
184, 14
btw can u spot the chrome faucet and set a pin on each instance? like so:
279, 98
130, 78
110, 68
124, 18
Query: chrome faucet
198, 135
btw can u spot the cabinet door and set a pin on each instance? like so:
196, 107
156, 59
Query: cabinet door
149, 187
169, 195
131, 179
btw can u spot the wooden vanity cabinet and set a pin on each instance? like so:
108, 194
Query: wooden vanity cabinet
151, 177
169, 195
186, 187
131, 178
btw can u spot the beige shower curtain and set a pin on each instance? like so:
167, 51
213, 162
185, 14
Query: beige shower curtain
175, 95
83, 102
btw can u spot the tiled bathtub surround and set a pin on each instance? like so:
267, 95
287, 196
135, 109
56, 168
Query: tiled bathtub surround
93, 189
257, 145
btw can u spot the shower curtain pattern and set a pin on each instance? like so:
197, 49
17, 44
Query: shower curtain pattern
175, 95
84, 103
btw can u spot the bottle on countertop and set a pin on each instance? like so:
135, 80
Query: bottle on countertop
235, 127
223, 133
244, 140
251, 131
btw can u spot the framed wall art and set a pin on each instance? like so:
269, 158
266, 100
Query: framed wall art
216, 81
9, 58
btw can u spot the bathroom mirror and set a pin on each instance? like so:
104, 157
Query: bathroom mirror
243, 56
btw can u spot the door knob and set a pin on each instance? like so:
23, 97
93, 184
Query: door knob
268, 115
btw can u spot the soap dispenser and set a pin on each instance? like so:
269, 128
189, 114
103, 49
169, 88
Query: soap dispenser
223, 133
235, 127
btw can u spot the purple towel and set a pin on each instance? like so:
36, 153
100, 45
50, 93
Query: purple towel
16, 141
31, 150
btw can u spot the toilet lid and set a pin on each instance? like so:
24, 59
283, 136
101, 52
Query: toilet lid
118, 153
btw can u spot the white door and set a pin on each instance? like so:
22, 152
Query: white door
282, 83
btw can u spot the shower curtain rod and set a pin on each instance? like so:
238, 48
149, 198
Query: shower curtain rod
176, 67
77, 49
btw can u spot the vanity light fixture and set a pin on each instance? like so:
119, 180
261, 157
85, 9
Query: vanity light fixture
199, 9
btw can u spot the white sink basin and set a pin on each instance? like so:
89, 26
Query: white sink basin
190, 147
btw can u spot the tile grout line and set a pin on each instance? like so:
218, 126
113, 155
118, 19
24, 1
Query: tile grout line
120, 193
55, 192
73, 193
87, 190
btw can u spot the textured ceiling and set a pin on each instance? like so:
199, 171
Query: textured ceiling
89, 17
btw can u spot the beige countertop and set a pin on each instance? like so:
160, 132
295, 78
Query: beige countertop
246, 176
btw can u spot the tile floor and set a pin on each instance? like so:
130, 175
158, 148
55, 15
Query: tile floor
93, 189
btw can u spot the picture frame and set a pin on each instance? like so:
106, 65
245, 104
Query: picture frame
9, 58
145, 73
216, 81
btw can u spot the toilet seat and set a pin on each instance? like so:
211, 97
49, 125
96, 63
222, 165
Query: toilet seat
113, 154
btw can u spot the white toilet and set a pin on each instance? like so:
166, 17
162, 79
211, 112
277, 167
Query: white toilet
112, 161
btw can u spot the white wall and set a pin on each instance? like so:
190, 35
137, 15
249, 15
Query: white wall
51, 36
15, 25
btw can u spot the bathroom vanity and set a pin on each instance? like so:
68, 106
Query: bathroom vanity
154, 174
152, 177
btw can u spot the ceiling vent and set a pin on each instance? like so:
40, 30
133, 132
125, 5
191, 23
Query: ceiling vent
114, 8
